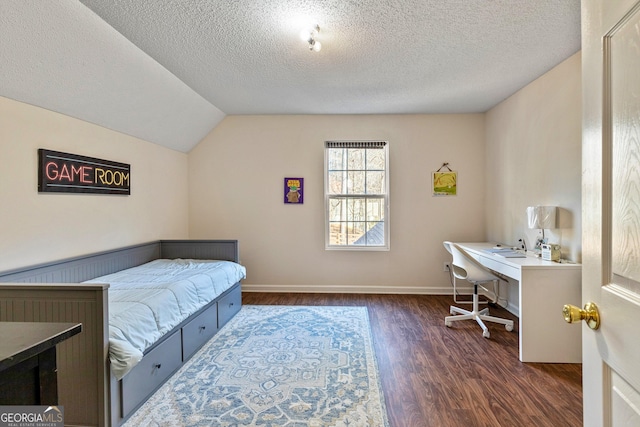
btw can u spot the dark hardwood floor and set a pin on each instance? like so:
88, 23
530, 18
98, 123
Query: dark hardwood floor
437, 376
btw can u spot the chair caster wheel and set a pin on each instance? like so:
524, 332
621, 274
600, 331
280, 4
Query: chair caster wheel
486, 334
509, 328
447, 324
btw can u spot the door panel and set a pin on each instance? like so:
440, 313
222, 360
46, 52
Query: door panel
611, 210
625, 402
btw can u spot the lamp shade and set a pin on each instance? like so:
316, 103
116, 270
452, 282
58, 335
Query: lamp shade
543, 217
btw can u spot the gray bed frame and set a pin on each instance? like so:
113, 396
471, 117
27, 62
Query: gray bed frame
53, 292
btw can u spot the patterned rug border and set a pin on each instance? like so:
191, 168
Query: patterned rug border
146, 415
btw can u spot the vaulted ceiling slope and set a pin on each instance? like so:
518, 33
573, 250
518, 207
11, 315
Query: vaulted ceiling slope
168, 71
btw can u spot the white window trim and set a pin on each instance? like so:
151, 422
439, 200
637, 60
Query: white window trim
387, 222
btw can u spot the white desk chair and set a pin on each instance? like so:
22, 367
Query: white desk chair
464, 266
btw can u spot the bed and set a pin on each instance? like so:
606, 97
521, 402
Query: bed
190, 288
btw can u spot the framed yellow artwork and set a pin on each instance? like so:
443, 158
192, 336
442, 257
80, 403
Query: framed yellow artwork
444, 183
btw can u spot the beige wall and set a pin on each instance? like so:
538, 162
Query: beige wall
36, 228
236, 191
534, 141
534, 149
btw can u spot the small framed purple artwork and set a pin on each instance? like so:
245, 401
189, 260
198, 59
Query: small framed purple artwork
294, 191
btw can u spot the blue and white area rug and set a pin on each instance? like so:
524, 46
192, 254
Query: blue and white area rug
277, 366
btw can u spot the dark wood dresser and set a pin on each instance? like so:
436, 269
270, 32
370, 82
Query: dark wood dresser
28, 361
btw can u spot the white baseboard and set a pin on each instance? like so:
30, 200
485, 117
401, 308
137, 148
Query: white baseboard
513, 309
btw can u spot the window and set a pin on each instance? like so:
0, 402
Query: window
357, 195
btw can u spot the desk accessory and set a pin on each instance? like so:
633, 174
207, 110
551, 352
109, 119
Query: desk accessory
550, 252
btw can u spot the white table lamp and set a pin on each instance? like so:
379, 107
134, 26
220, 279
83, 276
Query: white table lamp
542, 217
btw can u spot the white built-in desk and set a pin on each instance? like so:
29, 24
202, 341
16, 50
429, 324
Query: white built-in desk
544, 288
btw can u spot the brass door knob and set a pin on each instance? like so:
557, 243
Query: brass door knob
590, 314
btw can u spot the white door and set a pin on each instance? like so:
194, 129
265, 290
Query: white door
611, 210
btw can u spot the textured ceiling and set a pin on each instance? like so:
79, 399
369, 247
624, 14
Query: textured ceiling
169, 70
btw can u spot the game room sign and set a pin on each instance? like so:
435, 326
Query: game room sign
70, 173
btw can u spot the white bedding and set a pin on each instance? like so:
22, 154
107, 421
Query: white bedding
147, 301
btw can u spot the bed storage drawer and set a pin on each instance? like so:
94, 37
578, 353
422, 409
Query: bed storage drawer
199, 331
151, 372
229, 305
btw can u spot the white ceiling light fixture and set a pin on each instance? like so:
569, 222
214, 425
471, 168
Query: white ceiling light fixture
309, 35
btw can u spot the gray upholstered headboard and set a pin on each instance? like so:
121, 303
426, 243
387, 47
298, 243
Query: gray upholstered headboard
86, 267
